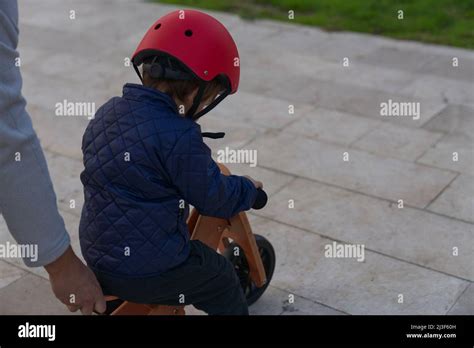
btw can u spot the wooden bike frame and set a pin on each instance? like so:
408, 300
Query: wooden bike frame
216, 233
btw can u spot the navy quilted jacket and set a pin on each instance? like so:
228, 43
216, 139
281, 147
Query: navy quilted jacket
142, 161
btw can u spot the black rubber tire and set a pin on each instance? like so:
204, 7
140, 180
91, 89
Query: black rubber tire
267, 253
111, 306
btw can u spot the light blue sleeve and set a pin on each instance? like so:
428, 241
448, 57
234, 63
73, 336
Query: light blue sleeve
27, 199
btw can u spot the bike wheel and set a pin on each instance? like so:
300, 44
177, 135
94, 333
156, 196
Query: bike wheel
267, 253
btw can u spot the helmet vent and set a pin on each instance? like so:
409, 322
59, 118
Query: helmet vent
157, 26
188, 33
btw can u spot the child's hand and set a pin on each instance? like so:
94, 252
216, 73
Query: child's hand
256, 183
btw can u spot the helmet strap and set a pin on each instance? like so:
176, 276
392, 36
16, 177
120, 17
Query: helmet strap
216, 101
138, 72
212, 105
197, 100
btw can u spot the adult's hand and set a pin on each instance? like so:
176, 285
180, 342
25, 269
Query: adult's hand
75, 285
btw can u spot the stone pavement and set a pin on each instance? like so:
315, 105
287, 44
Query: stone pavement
423, 251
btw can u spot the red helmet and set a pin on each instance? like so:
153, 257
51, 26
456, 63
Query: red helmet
199, 42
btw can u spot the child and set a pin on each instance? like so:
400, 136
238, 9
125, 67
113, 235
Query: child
144, 155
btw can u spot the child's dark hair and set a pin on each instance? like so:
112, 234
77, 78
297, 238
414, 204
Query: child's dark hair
180, 89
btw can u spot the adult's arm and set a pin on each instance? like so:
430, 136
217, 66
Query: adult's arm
27, 199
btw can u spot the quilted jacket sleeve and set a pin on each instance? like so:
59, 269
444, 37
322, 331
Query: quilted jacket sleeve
200, 182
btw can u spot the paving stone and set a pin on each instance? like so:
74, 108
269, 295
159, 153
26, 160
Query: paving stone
465, 304
301, 40
409, 234
457, 121
441, 156
272, 181
30, 295
360, 44
9, 273
258, 111
356, 74
102, 73
274, 301
85, 15
238, 134
332, 126
294, 71
250, 33
315, 42
338, 96
368, 76
430, 49
53, 38
416, 185
443, 66
65, 174
399, 142
61, 135
283, 42
289, 62
94, 72
279, 86
305, 307
441, 89
91, 88
396, 58
62, 18
369, 287
271, 302
346, 44
457, 200
102, 15
30, 56
367, 102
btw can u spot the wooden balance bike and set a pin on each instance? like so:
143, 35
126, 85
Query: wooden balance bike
252, 256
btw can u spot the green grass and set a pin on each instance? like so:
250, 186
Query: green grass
446, 22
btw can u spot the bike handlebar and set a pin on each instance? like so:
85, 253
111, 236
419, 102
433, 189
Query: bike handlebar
261, 199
